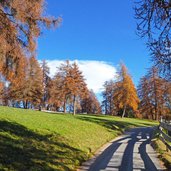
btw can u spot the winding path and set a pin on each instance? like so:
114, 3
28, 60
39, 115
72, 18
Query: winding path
130, 152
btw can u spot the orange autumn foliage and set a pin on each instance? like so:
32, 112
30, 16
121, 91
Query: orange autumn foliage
125, 94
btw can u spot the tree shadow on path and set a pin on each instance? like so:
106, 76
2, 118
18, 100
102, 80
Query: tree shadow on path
123, 156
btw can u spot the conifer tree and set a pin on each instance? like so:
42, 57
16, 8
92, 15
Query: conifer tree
155, 95
90, 104
27, 85
69, 85
21, 22
146, 107
46, 82
56, 92
64, 77
108, 102
16, 75
34, 82
77, 85
125, 95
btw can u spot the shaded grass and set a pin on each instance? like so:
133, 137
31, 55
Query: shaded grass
117, 123
22, 149
32, 140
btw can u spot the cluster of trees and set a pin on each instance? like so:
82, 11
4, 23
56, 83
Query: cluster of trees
155, 95
154, 91
154, 24
31, 87
151, 100
68, 88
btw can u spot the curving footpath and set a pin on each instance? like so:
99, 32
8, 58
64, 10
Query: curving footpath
130, 152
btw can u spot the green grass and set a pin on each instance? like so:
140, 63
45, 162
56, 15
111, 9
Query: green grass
164, 154
32, 140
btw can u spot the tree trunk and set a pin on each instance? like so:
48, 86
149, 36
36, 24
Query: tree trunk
74, 105
24, 105
13, 104
123, 114
157, 116
47, 107
40, 107
110, 106
65, 106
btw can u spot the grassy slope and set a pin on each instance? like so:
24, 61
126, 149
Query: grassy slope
32, 140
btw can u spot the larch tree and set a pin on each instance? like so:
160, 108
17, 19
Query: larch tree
35, 79
21, 22
108, 102
46, 83
68, 85
25, 84
16, 75
145, 106
156, 85
77, 84
64, 76
33, 88
57, 94
90, 104
125, 94
153, 23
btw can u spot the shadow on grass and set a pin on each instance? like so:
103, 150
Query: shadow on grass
111, 125
24, 150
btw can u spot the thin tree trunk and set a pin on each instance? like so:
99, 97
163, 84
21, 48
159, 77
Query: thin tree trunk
123, 114
110, 106
40, 107
47, 108
74, 105
26, 104
65, 106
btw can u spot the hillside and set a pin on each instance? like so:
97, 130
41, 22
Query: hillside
32, 140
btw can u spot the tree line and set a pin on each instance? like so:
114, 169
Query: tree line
151, 99
32, 87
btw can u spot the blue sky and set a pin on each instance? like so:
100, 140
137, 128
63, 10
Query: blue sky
95, 30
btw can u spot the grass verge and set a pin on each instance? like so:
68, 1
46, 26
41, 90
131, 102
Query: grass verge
160, 147
32, 140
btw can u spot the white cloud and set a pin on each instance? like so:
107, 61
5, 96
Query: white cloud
95, 72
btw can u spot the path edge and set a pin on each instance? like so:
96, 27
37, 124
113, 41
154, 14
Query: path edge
86, 165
